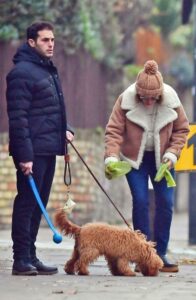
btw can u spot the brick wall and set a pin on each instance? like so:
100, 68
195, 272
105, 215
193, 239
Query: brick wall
92, 204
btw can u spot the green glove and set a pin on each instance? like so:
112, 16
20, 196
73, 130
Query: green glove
161, 172
117, 169
169, 179
164, 172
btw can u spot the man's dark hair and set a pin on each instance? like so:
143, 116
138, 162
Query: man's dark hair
32, 30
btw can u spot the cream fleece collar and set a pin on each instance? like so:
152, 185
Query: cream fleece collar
165, 112
170, 97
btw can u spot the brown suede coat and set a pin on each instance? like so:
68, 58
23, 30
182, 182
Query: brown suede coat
126, 131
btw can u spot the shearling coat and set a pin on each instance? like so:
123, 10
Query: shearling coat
126, 131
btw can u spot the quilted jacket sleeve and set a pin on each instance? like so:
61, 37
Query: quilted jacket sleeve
19, 97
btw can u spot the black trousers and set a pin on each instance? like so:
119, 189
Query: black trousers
26, 215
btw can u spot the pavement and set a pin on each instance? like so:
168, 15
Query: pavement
99, 283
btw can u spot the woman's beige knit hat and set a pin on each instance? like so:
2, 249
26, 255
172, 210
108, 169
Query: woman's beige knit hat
149, 81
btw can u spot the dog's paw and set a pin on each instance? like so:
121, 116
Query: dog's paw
83, 273
69, 270
129, 274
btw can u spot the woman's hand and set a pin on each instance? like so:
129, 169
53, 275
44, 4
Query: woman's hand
169, 163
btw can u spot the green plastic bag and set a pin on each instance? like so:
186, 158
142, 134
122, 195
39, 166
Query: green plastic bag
169, 179
161, 172
117, 169
164, 172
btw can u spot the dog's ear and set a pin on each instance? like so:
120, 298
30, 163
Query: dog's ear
151, 263
143, 269
149, 270
148, 251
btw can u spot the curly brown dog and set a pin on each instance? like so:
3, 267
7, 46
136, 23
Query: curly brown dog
118, 245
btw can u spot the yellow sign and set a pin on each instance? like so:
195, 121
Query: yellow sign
187, 160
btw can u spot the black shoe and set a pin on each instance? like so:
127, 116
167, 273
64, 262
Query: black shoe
168, 267
21, 267
43, 269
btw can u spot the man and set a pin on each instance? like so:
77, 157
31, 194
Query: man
37, 131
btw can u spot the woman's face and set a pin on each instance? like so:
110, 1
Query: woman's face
148, 101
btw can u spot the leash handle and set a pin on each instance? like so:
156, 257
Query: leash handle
57, 238
99, 184
67, 170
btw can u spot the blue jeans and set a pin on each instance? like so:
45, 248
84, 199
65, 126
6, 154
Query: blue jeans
164, 200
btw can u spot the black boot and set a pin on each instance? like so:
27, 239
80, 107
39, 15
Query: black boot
168, 267
43, 269
22, 267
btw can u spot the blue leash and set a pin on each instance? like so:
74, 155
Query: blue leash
57, 238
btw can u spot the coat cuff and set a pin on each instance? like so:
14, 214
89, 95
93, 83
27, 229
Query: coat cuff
110, 159
171, 156
69, 128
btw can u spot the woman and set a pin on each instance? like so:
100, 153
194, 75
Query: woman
148, 126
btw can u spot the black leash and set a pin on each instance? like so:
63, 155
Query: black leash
67, 175
99, 184
67, 171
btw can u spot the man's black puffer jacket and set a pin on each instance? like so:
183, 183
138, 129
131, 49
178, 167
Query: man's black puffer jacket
35, 105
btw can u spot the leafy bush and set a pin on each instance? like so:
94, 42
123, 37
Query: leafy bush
131, 71
87, 23
181, 68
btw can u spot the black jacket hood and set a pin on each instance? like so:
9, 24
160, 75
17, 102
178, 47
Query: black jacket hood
27, 53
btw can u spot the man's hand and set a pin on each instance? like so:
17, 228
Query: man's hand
69, 136
26, 167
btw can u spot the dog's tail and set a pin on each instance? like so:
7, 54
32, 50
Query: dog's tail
66, 226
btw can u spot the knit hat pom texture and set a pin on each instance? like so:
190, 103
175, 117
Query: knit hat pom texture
149, 81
